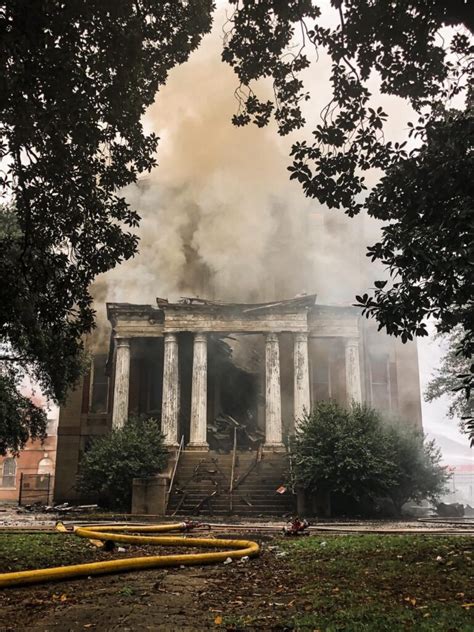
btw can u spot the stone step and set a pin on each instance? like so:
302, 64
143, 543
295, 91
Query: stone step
225, 459
264, 488
249, 511
270, 470
254, 481
257, 496
224, 506
237, 502
228, 462
198, 475
269, 510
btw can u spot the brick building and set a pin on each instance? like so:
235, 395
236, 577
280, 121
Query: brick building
36, 458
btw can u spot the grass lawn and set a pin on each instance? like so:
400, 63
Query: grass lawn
24, 551
353, 583
376, 583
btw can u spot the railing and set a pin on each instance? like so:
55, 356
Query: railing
178, 454
232, 472
35, 489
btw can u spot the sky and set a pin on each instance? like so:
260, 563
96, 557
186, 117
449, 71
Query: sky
435, 421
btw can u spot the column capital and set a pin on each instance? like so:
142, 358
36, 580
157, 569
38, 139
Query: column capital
200, 336
301, 336
122, 342
170, 337
352, 342
272, 337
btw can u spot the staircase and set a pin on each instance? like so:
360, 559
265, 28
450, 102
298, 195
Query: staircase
202, 485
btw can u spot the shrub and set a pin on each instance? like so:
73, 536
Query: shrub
417, 473
350, 452
113, 461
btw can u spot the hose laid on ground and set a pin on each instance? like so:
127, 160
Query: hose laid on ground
237, 549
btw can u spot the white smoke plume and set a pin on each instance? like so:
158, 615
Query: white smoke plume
220, 217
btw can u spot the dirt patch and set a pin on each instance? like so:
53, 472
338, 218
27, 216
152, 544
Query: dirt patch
175, 599
364, 583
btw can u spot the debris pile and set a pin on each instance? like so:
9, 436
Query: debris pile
221, 434
296, 527
60, 509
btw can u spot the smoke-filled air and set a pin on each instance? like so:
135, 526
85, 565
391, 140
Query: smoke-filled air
220, 217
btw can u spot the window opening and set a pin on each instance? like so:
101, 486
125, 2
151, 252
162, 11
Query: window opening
9, 472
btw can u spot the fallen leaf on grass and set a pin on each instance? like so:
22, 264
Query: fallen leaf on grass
218, 620
467, 605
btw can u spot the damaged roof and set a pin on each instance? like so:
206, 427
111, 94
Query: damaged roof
304, 300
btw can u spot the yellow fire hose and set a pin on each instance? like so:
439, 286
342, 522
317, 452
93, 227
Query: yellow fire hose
233, 549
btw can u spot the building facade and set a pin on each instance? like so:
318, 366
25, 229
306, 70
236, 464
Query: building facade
261, 365
35, 462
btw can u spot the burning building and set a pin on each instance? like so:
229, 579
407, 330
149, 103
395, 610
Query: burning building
229, 382
221, 219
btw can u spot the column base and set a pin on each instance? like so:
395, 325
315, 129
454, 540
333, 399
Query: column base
171, 447
274, 447
197, 447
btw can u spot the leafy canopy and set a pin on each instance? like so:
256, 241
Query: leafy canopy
445, 382
349, 451
425, 191
108, 468
75, 80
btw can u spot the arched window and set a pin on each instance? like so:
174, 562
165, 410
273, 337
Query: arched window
9, 472
45, 466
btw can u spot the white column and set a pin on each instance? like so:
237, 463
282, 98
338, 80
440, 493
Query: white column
122, 380
198, 434
170, 400
302, 400
273, 430
353, 382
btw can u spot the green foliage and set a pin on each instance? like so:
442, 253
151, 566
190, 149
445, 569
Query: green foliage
416, 470
339, 450
113, 461
375, 583
75, 80
444, 380
20, 418
424, 196
349, 451
20, 551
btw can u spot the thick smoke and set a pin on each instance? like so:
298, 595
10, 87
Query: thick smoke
220, 217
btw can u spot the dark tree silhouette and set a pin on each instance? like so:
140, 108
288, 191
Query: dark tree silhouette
75, 80
424, 195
